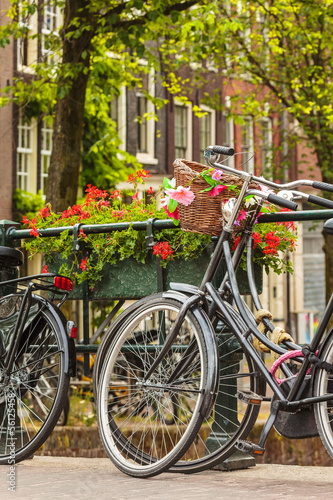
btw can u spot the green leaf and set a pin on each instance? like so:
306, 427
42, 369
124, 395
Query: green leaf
172, 205
167, 183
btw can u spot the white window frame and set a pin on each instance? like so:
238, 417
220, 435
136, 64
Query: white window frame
270, 141
48, 54
25, 132
249, 166
31, 24
230, 161
189, 145
212, 139
148, 158
45, 154
121, 116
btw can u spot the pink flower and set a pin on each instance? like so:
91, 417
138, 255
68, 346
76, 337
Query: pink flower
216, 190
182, 194
216, 175
242, 215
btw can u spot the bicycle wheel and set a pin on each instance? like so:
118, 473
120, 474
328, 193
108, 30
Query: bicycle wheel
132, 412
33, 395
322, 385
231, 419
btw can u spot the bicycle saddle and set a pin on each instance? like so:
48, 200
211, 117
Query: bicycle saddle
328, 226
10, 257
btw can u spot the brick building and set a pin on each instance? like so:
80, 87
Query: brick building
26, 147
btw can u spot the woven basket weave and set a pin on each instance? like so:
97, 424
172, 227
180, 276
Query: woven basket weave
204, 214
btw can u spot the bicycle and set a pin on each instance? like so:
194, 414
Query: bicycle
37, 357
200, 311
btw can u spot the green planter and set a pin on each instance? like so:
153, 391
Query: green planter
129, 279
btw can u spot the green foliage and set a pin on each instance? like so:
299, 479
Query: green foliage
95, 250
27, 204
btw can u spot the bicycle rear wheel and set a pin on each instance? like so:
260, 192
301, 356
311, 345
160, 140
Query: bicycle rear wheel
322, 385
33, 395
134, 413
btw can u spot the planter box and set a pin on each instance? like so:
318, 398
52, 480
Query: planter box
129, 279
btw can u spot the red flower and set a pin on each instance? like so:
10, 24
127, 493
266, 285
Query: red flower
81, 233
150, 190
25, 220
115, 194
34, 232
44, 269
83, 264
257, 239
44, 212
236, 243
162, 249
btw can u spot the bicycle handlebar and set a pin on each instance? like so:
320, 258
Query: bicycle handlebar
277, 200
323, 186
317, 200
222, 150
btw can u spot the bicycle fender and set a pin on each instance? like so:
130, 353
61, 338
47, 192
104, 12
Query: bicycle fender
67, 343
213, 368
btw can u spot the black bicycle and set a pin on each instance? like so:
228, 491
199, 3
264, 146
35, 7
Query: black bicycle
204, 347
37, 357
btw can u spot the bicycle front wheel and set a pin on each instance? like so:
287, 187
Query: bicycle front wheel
230, 419
34, 393
323, 385
134, 413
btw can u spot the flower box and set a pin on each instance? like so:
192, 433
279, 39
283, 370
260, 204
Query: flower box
129, 279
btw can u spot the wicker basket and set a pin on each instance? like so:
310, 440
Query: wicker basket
204, 214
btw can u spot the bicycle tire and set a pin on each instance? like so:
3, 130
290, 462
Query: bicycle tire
223, 435
322, 385
29, 408
131, 443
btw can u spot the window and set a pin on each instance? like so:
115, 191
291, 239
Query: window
145, 121
181, 132
142, 102
51, 24
228, 138
207, 130
24, 154
266, 144
247, 145
22, 43
45, 153
118, 115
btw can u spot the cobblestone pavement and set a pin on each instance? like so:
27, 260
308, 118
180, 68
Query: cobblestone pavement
54, 478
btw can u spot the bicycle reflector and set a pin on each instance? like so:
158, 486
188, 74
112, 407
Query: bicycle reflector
63, 283
72, 329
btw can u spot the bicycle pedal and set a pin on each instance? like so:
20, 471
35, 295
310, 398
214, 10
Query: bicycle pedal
249, 397
248, 447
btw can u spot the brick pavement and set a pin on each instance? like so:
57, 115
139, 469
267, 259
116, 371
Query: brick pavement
54, 478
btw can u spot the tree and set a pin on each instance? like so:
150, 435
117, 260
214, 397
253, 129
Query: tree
283, 51
121, 31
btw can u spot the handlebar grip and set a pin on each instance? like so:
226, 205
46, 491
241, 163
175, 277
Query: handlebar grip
277, 200
222, 150
323, 186
317, 200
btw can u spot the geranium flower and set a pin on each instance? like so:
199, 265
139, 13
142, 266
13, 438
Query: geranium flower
182, 194
44, 270
217, 190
